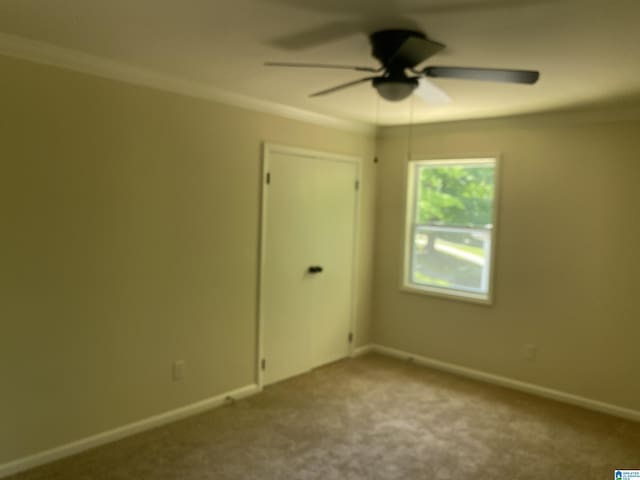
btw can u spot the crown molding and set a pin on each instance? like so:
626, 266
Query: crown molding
606, 112
44, 53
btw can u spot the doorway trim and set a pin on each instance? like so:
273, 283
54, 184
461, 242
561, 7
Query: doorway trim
269, 149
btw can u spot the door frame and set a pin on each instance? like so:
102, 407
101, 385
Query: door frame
269, 149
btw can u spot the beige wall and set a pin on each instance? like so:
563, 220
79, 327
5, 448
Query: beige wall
129, 238
568, 255
129, 222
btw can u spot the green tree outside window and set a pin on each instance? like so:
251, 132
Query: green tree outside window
456, 195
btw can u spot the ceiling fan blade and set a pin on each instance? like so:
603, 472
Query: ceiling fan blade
431, 93
323, 65
486, 74
415, 50
326, 33
340, 87
448, 7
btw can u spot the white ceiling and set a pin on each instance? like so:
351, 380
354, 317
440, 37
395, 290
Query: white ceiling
586, 50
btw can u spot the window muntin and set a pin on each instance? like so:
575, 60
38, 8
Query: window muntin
450, 229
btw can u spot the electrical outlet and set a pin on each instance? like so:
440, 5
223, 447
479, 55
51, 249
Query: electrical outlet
530, 352
178, 370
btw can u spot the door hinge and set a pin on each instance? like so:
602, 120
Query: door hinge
350, 337
268, 178
263, 364
357, 184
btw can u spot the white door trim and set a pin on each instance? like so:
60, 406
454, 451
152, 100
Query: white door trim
269, 149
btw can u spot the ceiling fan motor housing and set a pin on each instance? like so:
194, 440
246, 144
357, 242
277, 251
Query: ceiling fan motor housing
386, 43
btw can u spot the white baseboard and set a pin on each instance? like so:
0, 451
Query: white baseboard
363, 350
530, 388
69, 449
93, 441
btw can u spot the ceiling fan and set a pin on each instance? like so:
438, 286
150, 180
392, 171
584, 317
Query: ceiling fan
400, 52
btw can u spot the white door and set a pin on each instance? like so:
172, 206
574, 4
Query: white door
310, 207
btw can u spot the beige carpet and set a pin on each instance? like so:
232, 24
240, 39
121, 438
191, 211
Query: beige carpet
371, 418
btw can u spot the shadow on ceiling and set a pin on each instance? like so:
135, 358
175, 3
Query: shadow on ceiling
365, 16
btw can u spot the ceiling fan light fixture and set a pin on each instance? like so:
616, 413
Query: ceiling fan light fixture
395, 89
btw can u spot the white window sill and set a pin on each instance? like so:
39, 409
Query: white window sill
449, 294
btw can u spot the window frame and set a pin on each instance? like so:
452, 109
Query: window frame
409, 214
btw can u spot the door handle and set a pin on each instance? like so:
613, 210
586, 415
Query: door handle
315, 269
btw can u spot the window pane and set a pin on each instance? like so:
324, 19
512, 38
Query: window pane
455, 194
450, 229
451, 258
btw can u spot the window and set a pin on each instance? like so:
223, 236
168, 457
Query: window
451, 208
